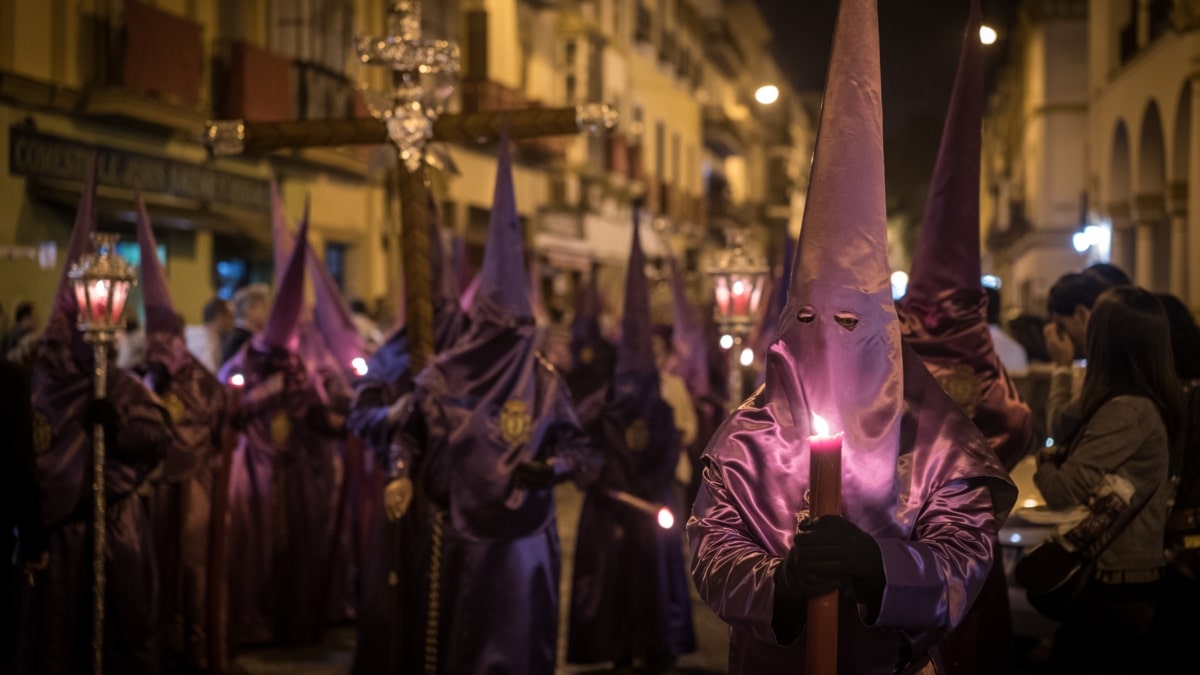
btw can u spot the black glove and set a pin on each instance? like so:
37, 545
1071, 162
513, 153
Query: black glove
102, 411
159, 376
831, 550
536, 475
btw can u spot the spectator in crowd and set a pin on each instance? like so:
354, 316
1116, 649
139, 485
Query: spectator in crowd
1110, 273
1131, 411
1028, 331
1012, 353
251, 305
131, 347
1069, 305
204, 341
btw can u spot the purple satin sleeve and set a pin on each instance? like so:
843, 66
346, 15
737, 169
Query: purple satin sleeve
144, 433
733, 573
577, 458
368, 418
933, 579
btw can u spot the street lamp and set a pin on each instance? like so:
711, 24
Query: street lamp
738, 281
987, 35
766, 94
101, 281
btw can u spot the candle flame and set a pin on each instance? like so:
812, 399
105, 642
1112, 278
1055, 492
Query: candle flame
820, 426
237, 380
666, 520
359, 364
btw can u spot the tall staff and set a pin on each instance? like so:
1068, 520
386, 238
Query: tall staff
101, 281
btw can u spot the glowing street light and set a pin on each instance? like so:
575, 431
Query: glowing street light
767, 94
987, 35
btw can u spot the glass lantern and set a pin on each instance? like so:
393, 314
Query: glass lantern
101, 280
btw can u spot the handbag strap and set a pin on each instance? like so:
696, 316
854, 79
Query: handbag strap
1093, 552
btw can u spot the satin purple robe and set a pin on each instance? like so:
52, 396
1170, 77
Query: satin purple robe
278, 501
182, 502
54, 632
497, 584
629, 593
391, 574
936, 531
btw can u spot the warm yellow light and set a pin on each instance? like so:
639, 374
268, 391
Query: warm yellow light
767, 94
987, 35
1029, 503
820, 426
666, 520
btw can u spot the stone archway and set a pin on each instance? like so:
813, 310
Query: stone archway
1120, 191
1177, 193
1153, 260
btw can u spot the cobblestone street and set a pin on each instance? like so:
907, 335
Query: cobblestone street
334, 654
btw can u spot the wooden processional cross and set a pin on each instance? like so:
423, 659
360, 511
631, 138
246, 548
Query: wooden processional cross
240, 137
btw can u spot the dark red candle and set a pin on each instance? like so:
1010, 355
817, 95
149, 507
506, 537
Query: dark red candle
825, 498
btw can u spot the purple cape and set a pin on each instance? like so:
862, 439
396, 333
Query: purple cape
278, 500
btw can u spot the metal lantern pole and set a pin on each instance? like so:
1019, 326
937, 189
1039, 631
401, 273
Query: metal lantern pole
101, 281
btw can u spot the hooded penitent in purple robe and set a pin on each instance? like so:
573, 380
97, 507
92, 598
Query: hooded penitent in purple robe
195, 401
592, 356
629, 594
279, 499
54, 631
776, 300
494, 425
917, 477
388, 618
944, 319
690, 361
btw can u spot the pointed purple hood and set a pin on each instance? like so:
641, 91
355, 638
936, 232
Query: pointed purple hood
944, 313
687, 339
283, 324
503, 294
837, 348
585, 326
164, 331
776, 301
331, 313
64, 314
947, 254
635, 354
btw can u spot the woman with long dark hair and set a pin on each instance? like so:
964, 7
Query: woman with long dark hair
1131, 411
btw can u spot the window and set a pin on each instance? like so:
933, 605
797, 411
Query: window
660, 150
570, 52
571, 89
335, 261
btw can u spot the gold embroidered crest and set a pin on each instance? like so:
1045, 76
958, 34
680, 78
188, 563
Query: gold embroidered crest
963, 387
173, 406
587, 355
637, 435
281, 428
43, 433
516, 425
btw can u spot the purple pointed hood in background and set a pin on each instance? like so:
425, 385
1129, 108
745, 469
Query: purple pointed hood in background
944, 313
635, 354
503, 293
776, 301
687, 338
164, 330
64, 314
283, 324
331, 313
585, 325
947, 252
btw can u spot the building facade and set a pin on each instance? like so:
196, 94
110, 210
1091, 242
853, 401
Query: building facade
1090, 148
135, 80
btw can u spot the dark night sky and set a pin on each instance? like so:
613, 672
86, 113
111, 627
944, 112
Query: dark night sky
919, 43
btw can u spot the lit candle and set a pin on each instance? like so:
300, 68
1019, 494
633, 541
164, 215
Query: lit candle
825, 498
741, 298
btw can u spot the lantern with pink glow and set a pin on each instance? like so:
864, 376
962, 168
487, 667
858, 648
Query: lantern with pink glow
101, 281
738, 282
